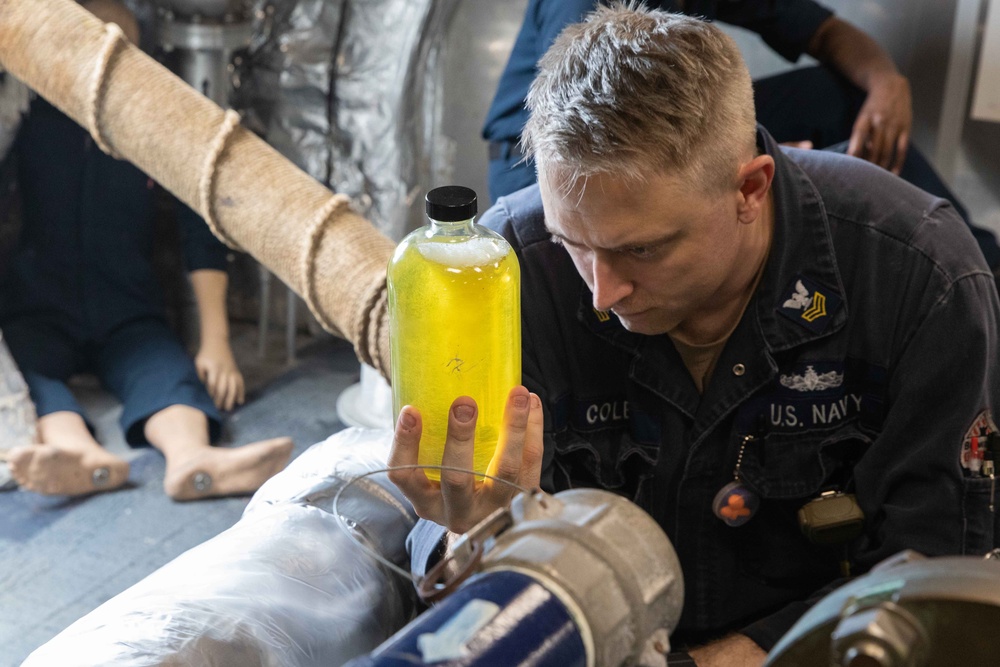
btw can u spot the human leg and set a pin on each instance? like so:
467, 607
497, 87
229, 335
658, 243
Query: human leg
167, 406
195, 469
67, 460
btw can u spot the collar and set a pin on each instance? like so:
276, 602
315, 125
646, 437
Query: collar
801, 295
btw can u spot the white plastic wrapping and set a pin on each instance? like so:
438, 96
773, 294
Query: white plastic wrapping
18, 423
285, 587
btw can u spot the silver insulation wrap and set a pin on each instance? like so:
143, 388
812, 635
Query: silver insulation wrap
349, 90
286, 586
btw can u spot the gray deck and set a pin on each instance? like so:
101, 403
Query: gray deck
60, 558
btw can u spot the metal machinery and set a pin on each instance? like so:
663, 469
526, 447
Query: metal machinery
586, 578
909, 611
578, 579
200, 38
309, 577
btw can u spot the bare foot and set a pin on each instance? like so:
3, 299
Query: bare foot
58, 471
227, 471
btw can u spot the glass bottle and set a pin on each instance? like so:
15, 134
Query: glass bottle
454, 323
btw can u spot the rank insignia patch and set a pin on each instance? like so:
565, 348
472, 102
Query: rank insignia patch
977, 444
809, 304
597, 320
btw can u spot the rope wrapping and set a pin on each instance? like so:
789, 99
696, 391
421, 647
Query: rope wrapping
113, 38
323, 217
251, 196
206, 186
377, 329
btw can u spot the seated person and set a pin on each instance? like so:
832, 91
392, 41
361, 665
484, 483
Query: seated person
79, 294
856, 101
773, 323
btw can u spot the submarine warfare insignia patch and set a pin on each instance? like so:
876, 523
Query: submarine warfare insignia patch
977, 445
809, 304
812, 381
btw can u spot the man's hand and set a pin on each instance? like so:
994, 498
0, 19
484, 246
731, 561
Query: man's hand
459, 502
881, 131
215, 363
732, 651
218, 370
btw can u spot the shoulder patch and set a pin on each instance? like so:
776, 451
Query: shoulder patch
977, 441
809, 304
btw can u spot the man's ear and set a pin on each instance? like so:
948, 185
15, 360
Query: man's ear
755, 183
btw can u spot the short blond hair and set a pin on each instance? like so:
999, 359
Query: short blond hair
633, 90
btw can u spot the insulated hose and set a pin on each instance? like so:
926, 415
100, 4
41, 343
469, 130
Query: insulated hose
252, 197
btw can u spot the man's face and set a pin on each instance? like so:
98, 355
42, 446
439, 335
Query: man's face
661, 255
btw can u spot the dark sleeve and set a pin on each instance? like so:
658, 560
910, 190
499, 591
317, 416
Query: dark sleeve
910, 483
500, 219
200, 248
543, 21
531, 376
786, 26
769, 630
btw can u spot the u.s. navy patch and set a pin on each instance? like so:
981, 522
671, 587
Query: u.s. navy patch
974, 443
809, 304
808, 395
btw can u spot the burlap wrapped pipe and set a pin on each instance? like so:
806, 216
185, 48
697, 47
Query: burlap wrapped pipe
251, 196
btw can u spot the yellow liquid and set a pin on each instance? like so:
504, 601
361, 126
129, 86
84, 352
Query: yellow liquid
455, 330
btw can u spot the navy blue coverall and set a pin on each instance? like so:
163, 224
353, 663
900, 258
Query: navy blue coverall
872, 382
80, 293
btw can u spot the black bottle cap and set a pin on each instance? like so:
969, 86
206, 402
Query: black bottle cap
451, 203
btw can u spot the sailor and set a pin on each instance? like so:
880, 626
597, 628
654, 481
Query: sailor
725, 330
